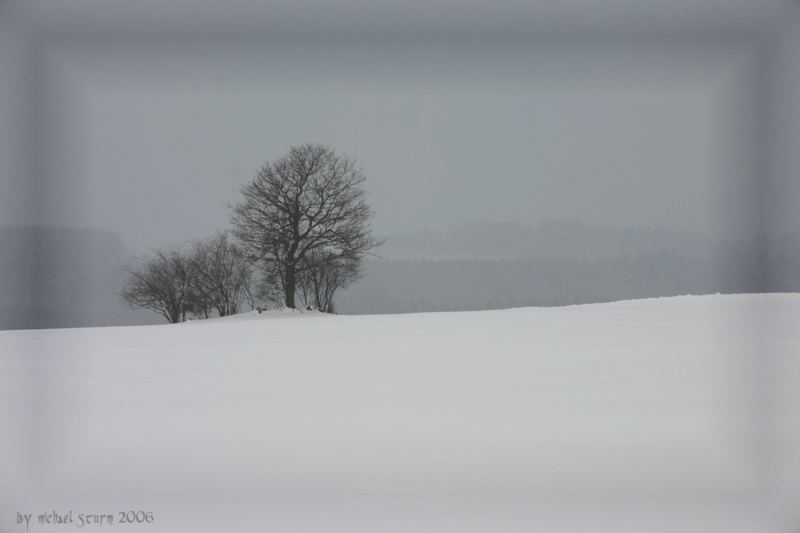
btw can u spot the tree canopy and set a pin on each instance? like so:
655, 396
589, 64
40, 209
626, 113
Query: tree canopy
306, 206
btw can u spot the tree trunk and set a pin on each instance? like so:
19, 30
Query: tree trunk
290, 287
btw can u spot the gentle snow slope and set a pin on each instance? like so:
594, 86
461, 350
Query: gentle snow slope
674, 414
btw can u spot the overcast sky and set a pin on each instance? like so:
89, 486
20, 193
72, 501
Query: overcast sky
151, 139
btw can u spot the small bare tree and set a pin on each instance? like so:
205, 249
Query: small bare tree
322, 275
163, 283
268, 286
221, 274
310, 201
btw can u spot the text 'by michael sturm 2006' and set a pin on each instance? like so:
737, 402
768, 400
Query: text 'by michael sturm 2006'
70, 518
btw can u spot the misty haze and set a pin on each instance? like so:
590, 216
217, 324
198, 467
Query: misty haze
371, 266
520, 173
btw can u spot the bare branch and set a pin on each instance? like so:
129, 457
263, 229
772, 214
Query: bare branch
304, 212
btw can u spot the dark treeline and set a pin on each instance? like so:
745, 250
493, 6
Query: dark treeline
60, 277
397, 285
551, 239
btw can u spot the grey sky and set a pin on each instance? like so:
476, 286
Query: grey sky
151, 138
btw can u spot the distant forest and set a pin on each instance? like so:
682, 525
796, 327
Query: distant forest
62, 277
493, 266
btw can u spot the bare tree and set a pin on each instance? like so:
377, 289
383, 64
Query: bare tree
310, 201
268, 287
163, 283
221, 275
322, 275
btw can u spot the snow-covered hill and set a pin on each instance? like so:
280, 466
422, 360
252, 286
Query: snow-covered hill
675, 414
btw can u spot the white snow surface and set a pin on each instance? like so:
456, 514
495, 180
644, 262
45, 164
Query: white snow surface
674, 414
